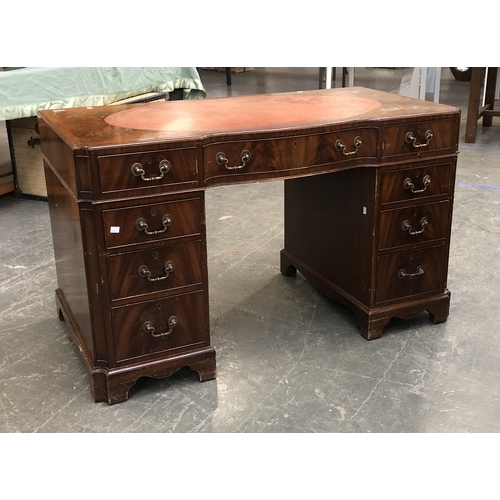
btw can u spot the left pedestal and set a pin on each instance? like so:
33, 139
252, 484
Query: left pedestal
132, 278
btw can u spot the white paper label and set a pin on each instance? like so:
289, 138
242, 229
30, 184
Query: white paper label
114, 229
364, 210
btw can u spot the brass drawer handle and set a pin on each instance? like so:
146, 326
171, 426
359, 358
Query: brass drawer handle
142, 225
411, 139
408, 184
137, 170
144, 271
406, 226
340, 146
403, 274
148, 327
221, 159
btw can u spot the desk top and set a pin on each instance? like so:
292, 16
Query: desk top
253, 113
258, 115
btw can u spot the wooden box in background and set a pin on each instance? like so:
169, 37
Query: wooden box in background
26, 156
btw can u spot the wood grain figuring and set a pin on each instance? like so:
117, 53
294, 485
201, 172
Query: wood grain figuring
120, 229
115, 172
394, 236
344, 212
125, 280
442, 142
287, 157
131, 341
393, 182
390, 286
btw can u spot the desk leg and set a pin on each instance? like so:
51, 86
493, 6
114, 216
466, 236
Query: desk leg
113, 386
286, 265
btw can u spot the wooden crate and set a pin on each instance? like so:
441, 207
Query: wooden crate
26, 156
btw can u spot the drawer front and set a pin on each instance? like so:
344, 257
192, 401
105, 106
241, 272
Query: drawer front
416, 183
169, 267
273, 158
411, 273
419, 138
152, 222
413, 225
147, 329
171, 167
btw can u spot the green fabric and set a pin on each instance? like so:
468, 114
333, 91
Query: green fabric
24, 92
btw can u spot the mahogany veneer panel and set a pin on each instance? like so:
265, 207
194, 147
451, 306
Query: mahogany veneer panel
286, 157
442, 142
441, 182
126, 281
132, 342
120, 228
395, 236
115, 171
391, 286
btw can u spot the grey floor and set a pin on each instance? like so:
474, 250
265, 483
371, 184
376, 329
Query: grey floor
289, 360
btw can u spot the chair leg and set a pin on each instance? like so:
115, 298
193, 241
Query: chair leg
489, 97
473, 108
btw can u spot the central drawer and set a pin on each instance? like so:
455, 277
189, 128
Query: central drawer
159, 327
164, 268
271, 158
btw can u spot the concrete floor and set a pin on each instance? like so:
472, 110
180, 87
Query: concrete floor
289, 359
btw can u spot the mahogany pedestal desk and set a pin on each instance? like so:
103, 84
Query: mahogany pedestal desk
369, 181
